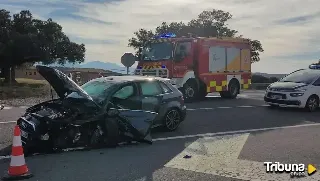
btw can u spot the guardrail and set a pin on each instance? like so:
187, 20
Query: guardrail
259, 86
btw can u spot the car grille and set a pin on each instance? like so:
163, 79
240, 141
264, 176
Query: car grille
28, 127
153, 72
270, 94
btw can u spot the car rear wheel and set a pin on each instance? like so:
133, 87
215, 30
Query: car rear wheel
312, 103
172, 120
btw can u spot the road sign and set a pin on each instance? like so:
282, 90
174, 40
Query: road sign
128, 59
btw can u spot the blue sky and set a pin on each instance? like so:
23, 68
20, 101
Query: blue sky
288, 29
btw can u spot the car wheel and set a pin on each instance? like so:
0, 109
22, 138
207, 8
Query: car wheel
172, 120
96, 138
312, 103
111, 136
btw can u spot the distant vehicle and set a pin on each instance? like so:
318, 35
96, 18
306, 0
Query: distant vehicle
300, 88
198, 65
85, 116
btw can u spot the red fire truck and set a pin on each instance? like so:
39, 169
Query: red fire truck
197, 65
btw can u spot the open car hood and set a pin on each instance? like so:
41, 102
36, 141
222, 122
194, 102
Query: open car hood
60, 82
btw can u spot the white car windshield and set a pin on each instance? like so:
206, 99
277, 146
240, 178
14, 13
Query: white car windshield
97, 90
306, 76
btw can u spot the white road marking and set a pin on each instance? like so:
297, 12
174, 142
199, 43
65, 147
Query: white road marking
206, 108
7, 122
219, 156
245, 106
266, 105
5, 157
224, 107
191, 109
10, 107
234, 132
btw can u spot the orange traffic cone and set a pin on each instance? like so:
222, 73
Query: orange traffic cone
18, 169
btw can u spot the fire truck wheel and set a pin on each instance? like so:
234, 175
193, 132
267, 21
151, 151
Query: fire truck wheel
233, 89
202, 92
190, 91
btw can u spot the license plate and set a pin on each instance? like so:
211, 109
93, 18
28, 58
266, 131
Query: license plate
24, 134
276, 97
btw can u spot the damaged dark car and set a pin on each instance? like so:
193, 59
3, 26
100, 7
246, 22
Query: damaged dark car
81, 117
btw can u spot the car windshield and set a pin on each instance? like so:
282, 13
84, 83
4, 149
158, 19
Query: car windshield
96, 89
306, 76
157, 51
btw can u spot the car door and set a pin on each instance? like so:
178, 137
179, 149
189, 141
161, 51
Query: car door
316, 87
127, 97
151, 95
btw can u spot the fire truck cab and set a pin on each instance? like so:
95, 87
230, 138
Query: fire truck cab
198, 66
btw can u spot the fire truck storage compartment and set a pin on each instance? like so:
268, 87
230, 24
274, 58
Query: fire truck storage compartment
230, 59
217, 59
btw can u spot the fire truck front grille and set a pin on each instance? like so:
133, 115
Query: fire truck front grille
153, 72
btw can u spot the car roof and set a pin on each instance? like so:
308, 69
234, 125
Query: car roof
130, 78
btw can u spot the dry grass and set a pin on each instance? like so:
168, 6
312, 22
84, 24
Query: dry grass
30, 81
24, 88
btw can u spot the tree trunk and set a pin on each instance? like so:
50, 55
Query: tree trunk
9, 78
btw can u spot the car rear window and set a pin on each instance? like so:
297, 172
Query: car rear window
150, 88
165, 88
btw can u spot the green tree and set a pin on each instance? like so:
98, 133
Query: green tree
207, 24
26, 39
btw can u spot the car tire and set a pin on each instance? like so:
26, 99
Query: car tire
312, 103
203, 91
172, 120
111, 136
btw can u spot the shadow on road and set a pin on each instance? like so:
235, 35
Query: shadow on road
130, 162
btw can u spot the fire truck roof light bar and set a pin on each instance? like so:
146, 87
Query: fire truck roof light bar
165, 35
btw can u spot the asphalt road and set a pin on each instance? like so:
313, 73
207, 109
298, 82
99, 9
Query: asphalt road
225, 139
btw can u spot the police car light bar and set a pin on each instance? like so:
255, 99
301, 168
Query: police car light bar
165, 35
314, 66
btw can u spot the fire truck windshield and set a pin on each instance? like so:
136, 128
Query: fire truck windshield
157, 51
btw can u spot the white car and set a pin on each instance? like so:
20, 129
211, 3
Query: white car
299, 89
